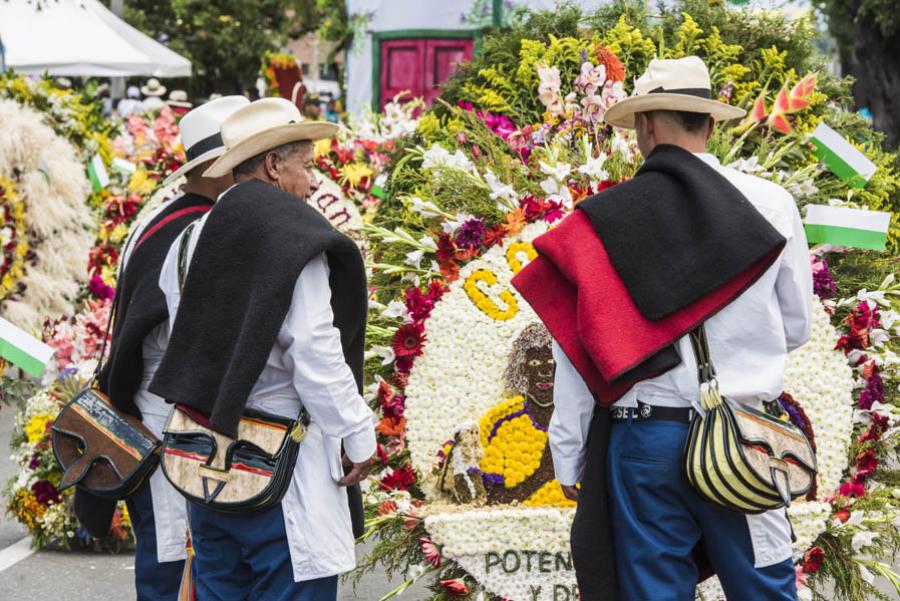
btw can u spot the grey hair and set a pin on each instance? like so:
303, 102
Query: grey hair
251, 165
534, 336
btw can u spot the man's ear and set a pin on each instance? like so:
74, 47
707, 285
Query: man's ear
272, 165
709, 129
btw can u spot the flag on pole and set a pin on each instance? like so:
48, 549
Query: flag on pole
97, 173
126, 167
842, 157
843, 226
22, 349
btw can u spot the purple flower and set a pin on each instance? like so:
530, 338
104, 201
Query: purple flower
874, 391
35, 462
492, 479
470, 234
98, 288
44, 492
823, 283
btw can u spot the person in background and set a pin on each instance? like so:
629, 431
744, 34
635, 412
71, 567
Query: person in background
178, 102
331, 111
153, 92
158, 513
131, 102
312, 107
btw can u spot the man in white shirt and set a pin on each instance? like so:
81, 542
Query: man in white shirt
656, 518
271, 318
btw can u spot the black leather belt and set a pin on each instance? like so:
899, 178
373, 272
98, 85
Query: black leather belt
651, 412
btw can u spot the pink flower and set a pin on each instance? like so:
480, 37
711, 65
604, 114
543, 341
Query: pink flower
852, 489
591, 78
455, 587
430, 551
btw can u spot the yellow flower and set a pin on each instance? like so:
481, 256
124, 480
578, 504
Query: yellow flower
118, 233
141, 183
354, 172
322, 148
36, 427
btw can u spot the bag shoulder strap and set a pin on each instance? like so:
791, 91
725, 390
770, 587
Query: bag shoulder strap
705, 370
183, 255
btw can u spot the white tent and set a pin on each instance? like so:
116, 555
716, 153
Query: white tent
81, 38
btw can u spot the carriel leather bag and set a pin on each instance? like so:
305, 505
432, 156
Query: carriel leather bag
107, 452
248, 473
739, 458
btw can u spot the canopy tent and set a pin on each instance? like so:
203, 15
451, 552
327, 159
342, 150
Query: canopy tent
81, 38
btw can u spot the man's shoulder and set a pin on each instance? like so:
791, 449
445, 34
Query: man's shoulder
772, 200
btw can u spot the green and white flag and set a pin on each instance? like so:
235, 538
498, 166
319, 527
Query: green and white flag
843, 226
97, 172
378, 186
842, 157
126, 167
22, 349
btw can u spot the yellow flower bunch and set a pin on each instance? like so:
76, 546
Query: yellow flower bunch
549, 495
355, 172
36, 428
512, 254
12, 218
515, 449
25, 507
141, 183
484, 302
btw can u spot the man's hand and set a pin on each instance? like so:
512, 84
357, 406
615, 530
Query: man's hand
571, 493
357, 473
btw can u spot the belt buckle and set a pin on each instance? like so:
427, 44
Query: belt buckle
645, 411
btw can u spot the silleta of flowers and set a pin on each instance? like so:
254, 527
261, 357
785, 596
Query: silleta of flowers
520, 141
44, 222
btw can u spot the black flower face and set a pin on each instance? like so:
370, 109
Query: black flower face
539, 370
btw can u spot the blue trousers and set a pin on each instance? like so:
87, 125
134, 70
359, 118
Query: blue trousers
245, 557
658, 518
153, 581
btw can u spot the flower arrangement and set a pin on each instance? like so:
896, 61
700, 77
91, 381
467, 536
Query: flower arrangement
281, 72
520, 141
44, 221
32, 496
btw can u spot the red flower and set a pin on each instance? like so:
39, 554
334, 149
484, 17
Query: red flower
44, 492
615, 70
879, 426
867, 461
385, 393
532, 207
852, 489
408, 340
430, 551
419, 304
455, 587
842, 514
812, 560
401, 378
387, 508
494, 235
606, 185
400, 479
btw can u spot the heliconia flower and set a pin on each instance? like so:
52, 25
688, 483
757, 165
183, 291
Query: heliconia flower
800, 93
757, 113
455, 587
430, 551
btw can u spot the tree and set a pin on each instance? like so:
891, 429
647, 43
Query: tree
868, 36
224, 39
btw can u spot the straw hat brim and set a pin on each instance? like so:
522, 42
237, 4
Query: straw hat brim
147, 91
621, 114
268, 139
186, 168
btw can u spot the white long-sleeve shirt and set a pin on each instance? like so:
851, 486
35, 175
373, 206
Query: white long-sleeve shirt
749, 339
307, 362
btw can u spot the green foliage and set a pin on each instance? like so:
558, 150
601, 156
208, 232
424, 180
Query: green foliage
224, 39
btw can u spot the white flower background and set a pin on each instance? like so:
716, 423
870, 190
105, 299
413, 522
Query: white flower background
459, 377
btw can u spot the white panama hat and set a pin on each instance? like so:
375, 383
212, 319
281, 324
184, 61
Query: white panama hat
200, 132
153, 88
262, 126
680, 84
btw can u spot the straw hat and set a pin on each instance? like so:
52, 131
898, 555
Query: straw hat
179, 98
672, 85
153, 88
200, 132
261, 126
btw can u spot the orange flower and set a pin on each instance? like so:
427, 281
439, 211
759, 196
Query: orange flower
387, 508
391, 427
615, 70
515, 222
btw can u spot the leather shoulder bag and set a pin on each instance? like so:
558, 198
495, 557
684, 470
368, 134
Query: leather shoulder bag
739, 458
105, 451
244, 474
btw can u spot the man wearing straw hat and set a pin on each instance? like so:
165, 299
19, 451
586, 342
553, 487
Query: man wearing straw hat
140, 335
620, 283
272, 318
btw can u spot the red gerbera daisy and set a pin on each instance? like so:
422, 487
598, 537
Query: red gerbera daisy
455, 587
408, 340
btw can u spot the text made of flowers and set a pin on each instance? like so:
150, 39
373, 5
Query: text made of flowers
479, 286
